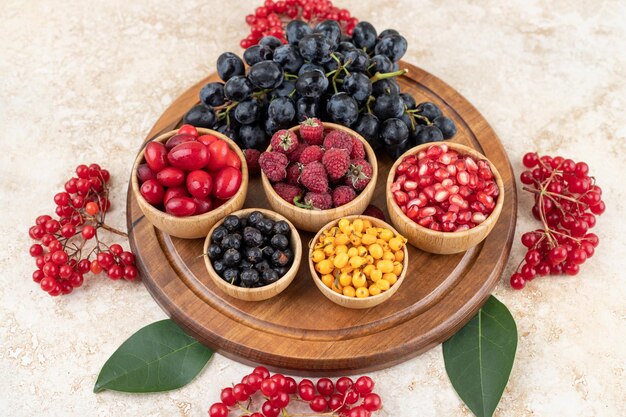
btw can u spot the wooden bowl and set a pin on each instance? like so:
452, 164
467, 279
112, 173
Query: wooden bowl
191, 227
352, 302
313, 220
268, 291
442, 242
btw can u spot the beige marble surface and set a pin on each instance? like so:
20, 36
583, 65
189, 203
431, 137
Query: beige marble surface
84, 81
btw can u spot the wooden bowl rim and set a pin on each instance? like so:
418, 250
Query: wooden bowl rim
188, 219
371, 158
493, 216
378, 223
291, 272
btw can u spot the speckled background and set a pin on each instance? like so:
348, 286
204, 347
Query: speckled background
84, 82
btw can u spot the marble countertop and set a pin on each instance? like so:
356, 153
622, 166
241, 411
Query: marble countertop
84, 82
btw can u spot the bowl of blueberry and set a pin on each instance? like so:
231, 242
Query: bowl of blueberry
253, 254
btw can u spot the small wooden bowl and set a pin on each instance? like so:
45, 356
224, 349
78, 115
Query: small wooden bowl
353, 302
268, 291
442, 242
191, 227
313, 220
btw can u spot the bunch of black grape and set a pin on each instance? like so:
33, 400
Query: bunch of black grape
319, 73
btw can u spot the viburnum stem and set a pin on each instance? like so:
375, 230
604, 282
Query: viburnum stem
381, 76
112, 229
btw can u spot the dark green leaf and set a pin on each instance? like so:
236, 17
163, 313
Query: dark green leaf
480, 356
159, 357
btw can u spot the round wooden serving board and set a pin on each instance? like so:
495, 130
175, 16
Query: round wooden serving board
300, 331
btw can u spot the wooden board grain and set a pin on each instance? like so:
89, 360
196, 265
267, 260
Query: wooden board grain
299, 330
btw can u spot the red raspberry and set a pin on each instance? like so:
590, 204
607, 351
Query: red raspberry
319, 201
343, 195
359, 174
336, 161
274, 165
294, 155
338, 139
374, 211
293, 173
358, 151
252, 160
288, 192
310, 154
314, 177
284, 141
312, 131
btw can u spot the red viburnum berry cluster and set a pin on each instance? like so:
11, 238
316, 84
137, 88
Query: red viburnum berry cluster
344, 397
61, 257
266, 19
566, 202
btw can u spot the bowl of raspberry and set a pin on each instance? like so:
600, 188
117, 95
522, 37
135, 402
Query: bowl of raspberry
186, 180
445, 198
316, 172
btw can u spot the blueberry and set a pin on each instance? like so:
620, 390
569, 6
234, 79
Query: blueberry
253, 254
245, 265
219, 267
281, 227
212, 94
252, 236
265, 226
268, 251
231, 223
231, 257
280, 241
229, 65
214, 251
270, 276
200, 115
249, 278
231, 241
280, 257
447, 126
282, 270
254, 218
296, 30
262, 266
231, 275
218, 234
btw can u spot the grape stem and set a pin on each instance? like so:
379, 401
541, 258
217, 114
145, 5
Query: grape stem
381, 76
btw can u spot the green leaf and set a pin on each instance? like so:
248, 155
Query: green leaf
480, 356
159, 357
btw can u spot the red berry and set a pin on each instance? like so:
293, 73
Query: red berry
359, 412
38, 275
262, 372
227, 397
240, 392
269, 387
35, 250
372, 402
47, 283
343, 384
269, 410
88, 232
75, 279
364, 385
530, 160
130, 273
115, 272
306, 392
218, 410
325, 386
517, 281
318, 404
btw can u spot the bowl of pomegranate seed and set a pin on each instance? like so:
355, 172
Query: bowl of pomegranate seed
317, 172
186, 180
445, 198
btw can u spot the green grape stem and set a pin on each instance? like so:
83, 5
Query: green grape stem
381, 76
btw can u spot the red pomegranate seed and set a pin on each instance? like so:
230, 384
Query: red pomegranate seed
409, 185
425, 181
441, 196
471, 164
427, 211
412, 212
448, 227
425, 221
478, 217
401, 197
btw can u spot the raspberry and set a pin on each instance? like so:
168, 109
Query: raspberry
314, 177
319, 201
336, 161
274, 165
284, 141
293, 173
343, 195
358, 151
310, 154
338, 139
294, 155
288, 192
312, 131
252, 160
374, 211
359, 174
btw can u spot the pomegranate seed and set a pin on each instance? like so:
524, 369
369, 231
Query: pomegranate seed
412, 212
441, 196
409, 185
478, 217
471, 165
401, 197
427, 211
425, 221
